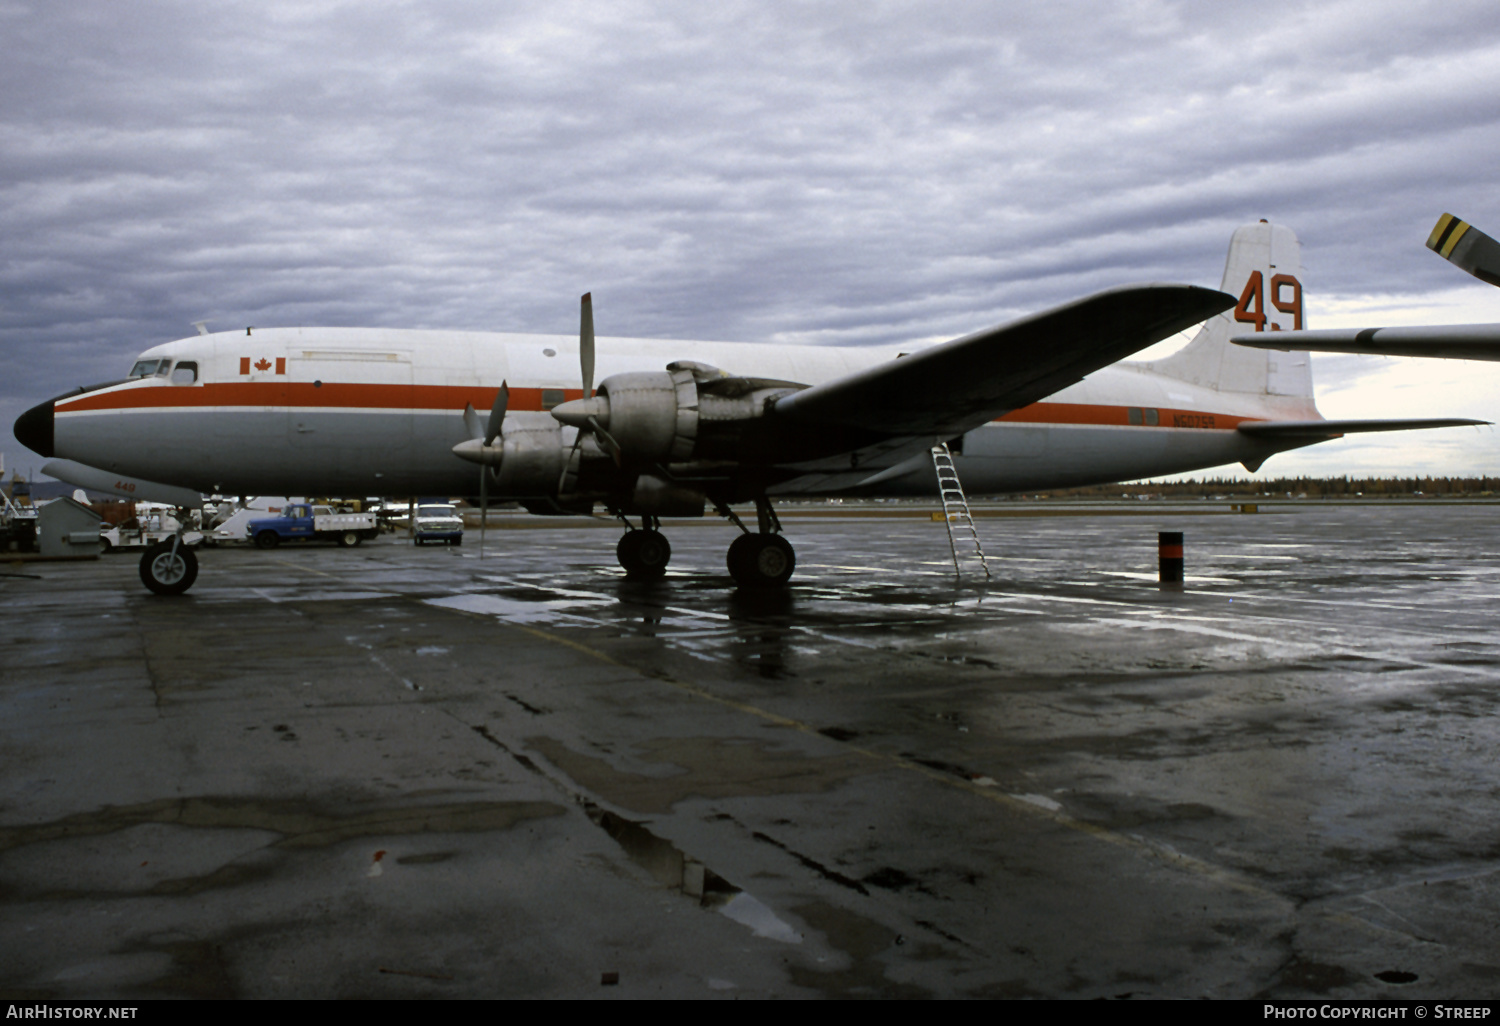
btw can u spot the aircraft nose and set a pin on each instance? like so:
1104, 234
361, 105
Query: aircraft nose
34, 429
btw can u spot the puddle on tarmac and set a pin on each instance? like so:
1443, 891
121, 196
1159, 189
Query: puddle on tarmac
293, 594
1140, 575
495, 605
671, 868
747, 911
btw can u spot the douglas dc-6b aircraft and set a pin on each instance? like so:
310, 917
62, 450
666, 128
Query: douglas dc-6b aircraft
676, 427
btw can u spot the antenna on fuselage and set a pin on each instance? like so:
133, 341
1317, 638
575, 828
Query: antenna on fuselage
202, 327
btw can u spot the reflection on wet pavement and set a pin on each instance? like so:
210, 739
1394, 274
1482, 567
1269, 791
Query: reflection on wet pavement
533, 776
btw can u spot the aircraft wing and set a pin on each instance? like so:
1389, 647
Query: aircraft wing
959, 385
1466, 247
1448, 341
1317, 430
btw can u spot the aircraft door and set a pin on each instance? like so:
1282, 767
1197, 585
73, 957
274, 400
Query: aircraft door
350, 409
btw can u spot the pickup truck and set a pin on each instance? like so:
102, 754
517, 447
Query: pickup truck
439, 522
315, 523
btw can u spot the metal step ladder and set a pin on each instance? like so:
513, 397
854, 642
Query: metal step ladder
956, 513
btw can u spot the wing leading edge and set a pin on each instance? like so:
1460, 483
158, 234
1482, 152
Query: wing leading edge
959, 385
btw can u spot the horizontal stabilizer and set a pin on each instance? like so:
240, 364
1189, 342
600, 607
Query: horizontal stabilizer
1447, 341
1318, 429
962, 384
1466, 247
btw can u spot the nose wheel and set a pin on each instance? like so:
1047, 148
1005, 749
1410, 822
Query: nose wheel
169, 568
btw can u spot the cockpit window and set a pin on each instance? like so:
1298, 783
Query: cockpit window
185, 373
144, 368
161, 371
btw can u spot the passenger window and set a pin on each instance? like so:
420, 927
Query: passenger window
1135, 415
185, 373
1151, 418
551, 397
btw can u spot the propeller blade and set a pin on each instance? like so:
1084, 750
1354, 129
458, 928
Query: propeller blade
497, 414
484, 503
1467, 247
586, 344
471, 421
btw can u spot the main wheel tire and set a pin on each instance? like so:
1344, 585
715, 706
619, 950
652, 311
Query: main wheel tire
104, 546
267, 540
644, 554
739, 553
167, 572
349, 539
761, 560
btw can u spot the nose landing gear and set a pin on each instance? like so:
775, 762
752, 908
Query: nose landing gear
169, 567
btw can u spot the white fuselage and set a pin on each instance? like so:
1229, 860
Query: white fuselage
349, 411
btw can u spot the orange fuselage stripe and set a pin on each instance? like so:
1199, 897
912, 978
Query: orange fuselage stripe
449, 398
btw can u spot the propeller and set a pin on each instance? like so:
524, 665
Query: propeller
586, 360
487, 432
586, 343
497, 414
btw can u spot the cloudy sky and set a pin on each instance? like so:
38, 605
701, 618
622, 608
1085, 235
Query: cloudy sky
826, 173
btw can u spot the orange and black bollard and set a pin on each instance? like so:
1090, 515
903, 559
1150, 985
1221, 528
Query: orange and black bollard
1169, 557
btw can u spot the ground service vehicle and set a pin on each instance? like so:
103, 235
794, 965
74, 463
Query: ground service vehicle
142, 531
301, 521
439, 522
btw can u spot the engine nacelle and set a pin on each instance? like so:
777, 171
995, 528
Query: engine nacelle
689, 411
652, 416
528, 459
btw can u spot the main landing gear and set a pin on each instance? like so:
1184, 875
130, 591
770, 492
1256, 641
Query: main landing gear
756, 560
763, 560
644, 553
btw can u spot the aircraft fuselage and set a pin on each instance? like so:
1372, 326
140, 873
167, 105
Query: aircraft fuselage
348, 411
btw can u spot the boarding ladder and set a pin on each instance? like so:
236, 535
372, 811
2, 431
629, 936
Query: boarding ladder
956, 513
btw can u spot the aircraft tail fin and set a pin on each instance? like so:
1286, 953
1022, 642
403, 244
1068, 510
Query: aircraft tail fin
1264, 269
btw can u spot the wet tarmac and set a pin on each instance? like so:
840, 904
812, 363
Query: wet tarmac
395, 771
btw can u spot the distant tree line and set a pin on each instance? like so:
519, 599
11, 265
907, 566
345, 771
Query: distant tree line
1311, 487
